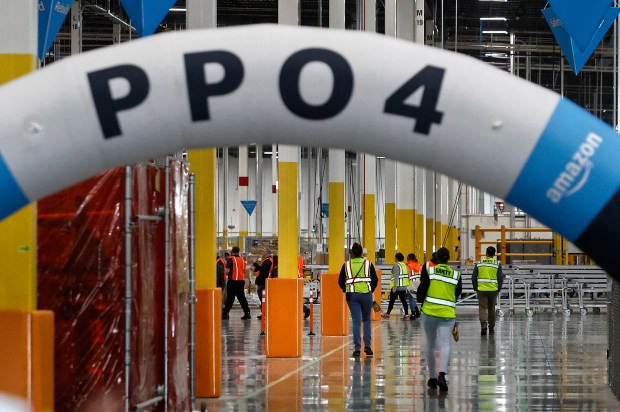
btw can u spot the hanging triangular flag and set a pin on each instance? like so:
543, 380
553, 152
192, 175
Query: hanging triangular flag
581, 18
249, 205
52, 14
576, 56
146, 15
324, 209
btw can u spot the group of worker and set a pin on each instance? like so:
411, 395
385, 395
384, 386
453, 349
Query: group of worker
231, 279
439, 288
404, 281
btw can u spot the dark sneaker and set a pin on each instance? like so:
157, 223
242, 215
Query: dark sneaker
356, 354
368, 351
432, 383
385, 316
225, 316
491, 331
441, 382
246, 316
483, 331
259, 317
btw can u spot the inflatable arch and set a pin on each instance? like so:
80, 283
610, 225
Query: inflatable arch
326, 88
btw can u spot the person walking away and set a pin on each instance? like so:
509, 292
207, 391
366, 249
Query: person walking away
439, 288
220, 265
414, 281
399, 284
235, 286
358, 279
487, 280
262, 272
300, 275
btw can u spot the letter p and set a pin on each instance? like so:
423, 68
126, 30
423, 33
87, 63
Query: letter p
108, 106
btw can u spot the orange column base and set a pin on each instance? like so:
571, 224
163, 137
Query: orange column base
208, 343
284, 317
27, 357
334, 309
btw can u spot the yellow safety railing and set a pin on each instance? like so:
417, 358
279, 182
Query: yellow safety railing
559, 243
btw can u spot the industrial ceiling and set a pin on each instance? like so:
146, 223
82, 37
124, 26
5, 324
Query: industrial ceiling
461, 26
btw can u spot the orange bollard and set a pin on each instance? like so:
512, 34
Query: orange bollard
311, 333
263, 314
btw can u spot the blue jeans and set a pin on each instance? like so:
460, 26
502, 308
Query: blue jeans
438, 337
412, 302
360, 305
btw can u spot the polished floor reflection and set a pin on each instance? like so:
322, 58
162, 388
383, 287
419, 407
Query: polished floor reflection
543, 363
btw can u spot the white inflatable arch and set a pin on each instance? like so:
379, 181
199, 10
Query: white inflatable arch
314, 87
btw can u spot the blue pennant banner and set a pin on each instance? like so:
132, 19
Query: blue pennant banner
52, 14
325, 209
146, 15
249, 205
576, 56
581, 18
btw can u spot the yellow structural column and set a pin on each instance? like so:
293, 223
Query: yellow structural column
285, 294
335, 242
390, 211
208, 367
430, 214
404, 208
27, 347
368, 200
209, 297
18, 242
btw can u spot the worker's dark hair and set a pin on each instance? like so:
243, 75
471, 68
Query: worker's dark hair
434, 258
399, 257
411, 256
490, 251
357, 250
226, 254
235, 250
443, 255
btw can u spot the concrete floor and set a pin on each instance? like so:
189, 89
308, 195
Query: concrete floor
542, 363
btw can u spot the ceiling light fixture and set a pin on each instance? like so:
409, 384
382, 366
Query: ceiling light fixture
492, 18
177, 9
494, 32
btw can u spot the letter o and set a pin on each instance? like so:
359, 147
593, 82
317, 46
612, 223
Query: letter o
341, 92
586, 149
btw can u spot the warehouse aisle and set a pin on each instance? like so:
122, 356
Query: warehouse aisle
539, 364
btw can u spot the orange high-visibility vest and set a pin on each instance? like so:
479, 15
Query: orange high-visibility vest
238, 268
300, 267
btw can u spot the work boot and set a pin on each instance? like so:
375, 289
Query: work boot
441, 382
225, 316
432, 383
368, 351
246, 316
483, 331
491, 330
356, 353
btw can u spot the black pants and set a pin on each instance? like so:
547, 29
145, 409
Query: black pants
235, 289
402, 295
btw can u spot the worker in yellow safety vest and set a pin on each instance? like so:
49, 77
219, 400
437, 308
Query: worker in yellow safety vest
439, 289
487, 279
358, 279
399, 284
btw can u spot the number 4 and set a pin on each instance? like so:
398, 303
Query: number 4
426, 113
